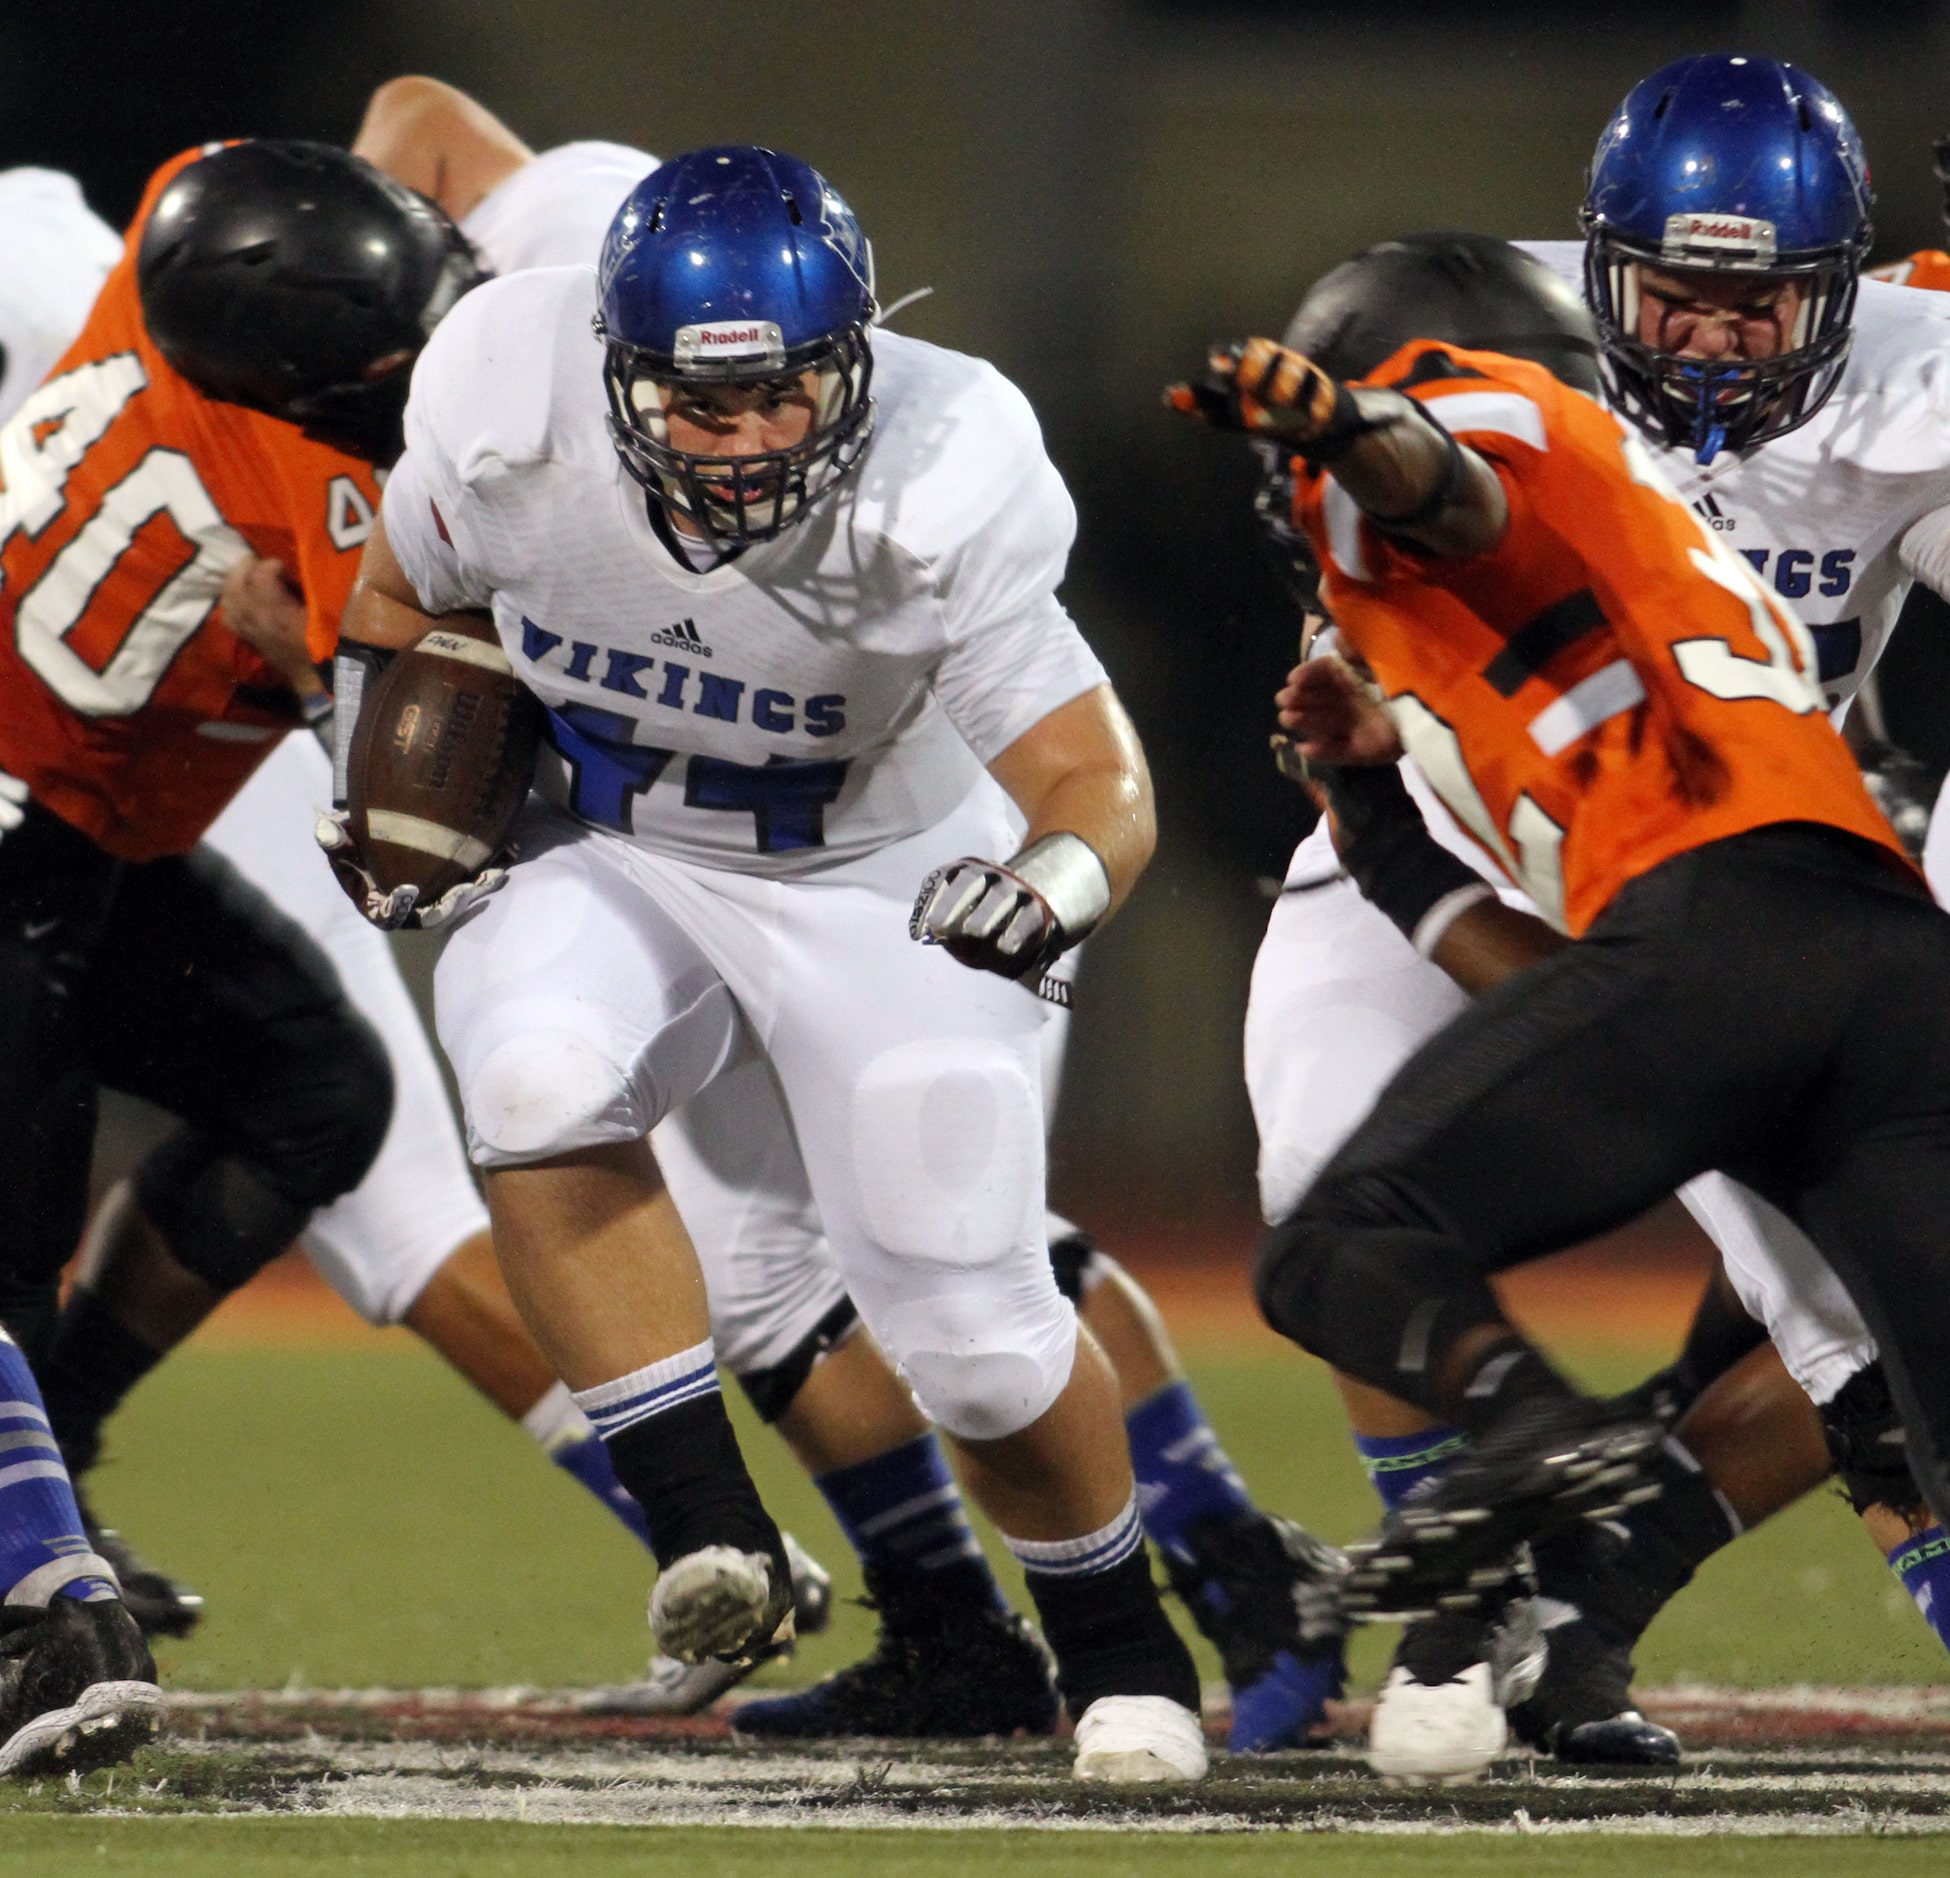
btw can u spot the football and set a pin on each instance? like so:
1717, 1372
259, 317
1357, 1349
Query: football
441, 761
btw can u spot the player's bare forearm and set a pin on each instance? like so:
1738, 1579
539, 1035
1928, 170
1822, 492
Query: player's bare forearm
383, 609
439, 141
1489, 942
1081, 771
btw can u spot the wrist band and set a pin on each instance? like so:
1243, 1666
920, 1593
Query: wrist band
1065, 870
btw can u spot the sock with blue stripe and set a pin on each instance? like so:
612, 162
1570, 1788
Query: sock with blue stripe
568, 1439
1399, 1464
903, 1514
1183, 1474
1101, 1616
43, 1550
671, 1444
1923, 1565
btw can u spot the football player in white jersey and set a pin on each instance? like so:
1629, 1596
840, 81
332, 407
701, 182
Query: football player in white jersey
951, 1659
773, 687
1727, 322
410, 1245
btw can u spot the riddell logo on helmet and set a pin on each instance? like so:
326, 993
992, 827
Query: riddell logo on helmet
1744, 234
711, 340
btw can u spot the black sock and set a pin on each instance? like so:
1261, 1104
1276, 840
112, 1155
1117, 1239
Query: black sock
1622, 1573
684, 1469
1110, 1635
96, 1360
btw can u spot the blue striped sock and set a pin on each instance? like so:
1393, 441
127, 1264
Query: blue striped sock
615, 1406
1099, 1551
902, 1512
1923, 1565
1182, 1473
1398, 1464
41, 1538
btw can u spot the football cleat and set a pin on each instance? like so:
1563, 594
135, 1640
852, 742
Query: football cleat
162, 1606
1581, 1710
1440, 1716
1265, 1593
671, 1687
77, 1687
1548, 1464
941, 1670
1133, 1740
719, 1601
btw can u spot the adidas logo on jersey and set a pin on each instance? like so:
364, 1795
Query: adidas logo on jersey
683, 637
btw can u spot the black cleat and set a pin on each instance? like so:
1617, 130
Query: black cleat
1582, 1711
1266, 1594
161, 1605
77, 1687
1548, 1464
940, 1671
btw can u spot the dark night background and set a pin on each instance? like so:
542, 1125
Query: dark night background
1094, 188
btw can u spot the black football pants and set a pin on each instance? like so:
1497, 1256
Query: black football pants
176, 981
1775, 1005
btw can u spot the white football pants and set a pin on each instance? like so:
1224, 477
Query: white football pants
606, 986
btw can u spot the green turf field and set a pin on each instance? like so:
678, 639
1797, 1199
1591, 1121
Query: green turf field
358, 1517
285, 1848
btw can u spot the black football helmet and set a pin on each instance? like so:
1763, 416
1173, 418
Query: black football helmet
298, 280
1466, 290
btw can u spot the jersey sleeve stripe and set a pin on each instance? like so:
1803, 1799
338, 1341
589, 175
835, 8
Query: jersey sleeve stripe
1535, 643
1593, 701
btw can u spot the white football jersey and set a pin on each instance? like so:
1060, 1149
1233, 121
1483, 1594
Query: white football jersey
820, 696
554, 211
55, 252
1821, 513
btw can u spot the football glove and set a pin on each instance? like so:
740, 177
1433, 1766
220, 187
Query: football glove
1014, 917
399, 907
1271, 392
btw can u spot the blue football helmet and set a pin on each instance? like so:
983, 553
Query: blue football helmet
1726, 164
742, 266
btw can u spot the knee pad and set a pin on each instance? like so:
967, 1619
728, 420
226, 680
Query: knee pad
315, 1132
541, 1093
1364, 1280
772, 1390
222, 1217
1867, 1445
979, 1371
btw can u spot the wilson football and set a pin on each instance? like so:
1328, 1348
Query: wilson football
441, 761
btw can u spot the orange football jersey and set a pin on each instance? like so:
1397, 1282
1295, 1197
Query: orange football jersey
1609, 686
1928, 267
126, 705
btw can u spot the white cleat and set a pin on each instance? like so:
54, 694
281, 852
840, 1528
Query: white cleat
711, 1602
1128, 1740
669, 1687
1444, 1733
